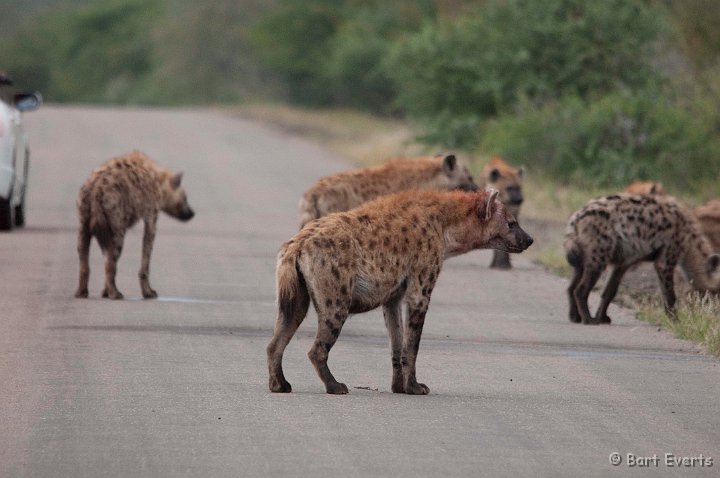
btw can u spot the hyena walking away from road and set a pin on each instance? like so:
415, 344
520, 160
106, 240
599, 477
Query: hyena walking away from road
349, 189
384, 253
625, 229
507, 180
115, 197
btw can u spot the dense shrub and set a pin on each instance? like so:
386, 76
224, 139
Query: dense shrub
98, 53
612, 140
458, 73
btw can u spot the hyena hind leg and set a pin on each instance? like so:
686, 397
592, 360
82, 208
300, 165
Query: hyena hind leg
590, 276
112, 254
288, 320
330, 323
83, 248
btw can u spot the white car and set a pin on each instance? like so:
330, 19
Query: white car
14, 152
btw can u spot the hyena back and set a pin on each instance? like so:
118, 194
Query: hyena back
624, 229
349, 189
117, 195
507, 180
385, 253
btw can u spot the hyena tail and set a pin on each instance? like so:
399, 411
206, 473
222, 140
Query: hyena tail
99, 223
573, 253
292, 292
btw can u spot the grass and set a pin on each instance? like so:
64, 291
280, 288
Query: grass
367, 140
698, 319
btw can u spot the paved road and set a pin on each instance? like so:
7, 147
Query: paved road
178, 386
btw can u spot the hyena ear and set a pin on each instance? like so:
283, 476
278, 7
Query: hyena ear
521, 171
487, 209
449, 163
494, 175
176, 180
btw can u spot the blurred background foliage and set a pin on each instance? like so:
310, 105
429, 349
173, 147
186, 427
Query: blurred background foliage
595, 92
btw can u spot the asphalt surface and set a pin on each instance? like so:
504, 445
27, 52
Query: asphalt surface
178, 386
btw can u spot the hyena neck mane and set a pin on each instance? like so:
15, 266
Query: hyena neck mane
459, 216
699, 262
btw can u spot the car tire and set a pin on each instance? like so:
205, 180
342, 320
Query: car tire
6, 215
20, 208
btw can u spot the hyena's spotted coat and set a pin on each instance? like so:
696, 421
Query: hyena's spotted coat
384, 253
116, 196
625, 229
507, 180
349, 189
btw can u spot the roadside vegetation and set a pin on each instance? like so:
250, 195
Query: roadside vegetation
587, 95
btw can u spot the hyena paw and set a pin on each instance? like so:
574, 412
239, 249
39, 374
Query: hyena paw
81, 293
604, 320
398, 387
416, 388
591, 321
336, 388
280, 385
503, 266
149, 294
575, 318
114, 295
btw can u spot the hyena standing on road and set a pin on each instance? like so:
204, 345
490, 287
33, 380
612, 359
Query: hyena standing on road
625, 229
112, 200
349, 189
507, 180
384, 253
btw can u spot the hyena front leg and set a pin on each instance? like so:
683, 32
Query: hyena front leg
411, 344
500, 260
148, 239
83, 248
393, 321
112, 254
665, 268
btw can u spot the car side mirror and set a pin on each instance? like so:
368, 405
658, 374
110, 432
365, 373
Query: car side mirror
28, 101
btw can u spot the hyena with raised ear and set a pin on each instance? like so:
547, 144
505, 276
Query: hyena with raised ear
346, 190
507, 180
624, 229
117, 195
386, 253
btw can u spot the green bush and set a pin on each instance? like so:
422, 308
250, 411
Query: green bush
611, 141
481, 66
97, 53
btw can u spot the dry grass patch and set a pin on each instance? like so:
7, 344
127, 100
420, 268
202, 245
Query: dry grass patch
698, 319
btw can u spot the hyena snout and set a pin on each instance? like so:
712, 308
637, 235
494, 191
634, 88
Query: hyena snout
181, 211
515, 196
517, 240
186, 213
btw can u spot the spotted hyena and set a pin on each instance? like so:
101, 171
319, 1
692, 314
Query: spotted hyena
709, 217
113, 199
346, 190
499, 175
384, 253
645, 187
625, 229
